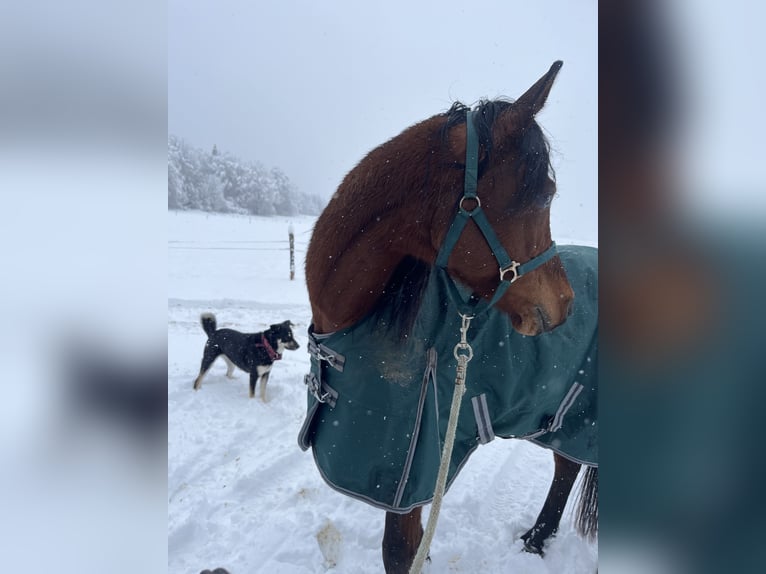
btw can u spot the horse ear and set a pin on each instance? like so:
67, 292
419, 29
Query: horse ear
531, 102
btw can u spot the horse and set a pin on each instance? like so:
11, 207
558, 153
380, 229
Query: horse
402, 262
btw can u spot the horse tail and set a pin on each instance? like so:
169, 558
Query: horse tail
586, 514
208, 323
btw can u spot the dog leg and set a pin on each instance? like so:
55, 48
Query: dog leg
208, 358
198, 380
229, 367
264, 380
254, 376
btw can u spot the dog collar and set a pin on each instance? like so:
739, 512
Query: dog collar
273, 355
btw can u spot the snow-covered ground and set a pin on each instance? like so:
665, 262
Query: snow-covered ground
241, 493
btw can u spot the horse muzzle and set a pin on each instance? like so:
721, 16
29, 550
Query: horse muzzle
535, 319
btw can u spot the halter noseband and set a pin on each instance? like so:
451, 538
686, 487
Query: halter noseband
507, 265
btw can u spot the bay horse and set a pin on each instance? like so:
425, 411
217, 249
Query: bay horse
408, 249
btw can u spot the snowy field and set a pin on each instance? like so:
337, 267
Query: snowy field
241, 493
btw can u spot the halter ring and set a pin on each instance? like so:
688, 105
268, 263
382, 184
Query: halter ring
513, 268
475, 198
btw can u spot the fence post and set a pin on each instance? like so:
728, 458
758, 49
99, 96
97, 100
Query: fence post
292, 251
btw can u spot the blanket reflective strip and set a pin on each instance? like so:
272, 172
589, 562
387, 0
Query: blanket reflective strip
483, 422
566, 404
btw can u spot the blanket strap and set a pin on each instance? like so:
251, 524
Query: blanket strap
463, 353
314, 381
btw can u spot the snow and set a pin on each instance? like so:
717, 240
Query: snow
241, 493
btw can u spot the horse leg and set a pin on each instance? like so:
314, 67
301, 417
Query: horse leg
547, 522
401, 539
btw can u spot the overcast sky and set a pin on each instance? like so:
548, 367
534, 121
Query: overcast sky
311, 87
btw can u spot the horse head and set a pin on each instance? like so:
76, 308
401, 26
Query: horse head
397, 204
514, 188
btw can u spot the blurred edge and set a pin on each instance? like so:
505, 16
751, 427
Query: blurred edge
681, 212
83, 156
83, 172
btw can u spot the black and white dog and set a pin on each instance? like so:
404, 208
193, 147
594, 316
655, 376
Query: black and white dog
254, 353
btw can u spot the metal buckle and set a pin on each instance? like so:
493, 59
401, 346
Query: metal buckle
513, 268
322, 353
314, 387
463, 348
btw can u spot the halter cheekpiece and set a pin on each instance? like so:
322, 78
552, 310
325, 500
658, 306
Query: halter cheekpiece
509, 269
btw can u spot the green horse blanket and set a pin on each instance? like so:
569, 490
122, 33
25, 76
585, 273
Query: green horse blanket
378, 407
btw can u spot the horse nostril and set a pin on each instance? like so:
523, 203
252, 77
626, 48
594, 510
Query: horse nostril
570, 308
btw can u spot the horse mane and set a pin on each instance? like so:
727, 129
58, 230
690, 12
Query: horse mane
397, 309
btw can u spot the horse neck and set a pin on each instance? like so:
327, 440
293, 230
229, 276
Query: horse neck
354, 250
383, 212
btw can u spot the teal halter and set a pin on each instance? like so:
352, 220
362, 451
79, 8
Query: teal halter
510, 270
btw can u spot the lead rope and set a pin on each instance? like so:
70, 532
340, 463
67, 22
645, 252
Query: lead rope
463, 353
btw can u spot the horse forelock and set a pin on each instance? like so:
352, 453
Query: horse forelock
531, 144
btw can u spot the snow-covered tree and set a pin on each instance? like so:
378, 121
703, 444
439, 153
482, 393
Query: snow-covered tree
220, 182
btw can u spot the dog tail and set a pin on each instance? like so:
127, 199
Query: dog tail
208, 323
